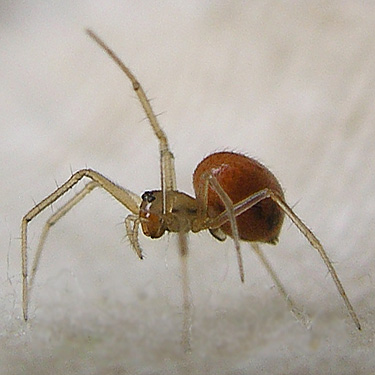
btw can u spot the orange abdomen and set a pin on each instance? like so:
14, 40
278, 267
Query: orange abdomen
240, 177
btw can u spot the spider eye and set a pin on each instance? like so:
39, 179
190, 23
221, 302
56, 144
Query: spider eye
148, 196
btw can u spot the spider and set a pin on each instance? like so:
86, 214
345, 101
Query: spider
236, 196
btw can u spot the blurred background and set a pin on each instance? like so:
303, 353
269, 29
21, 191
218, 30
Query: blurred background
289, 83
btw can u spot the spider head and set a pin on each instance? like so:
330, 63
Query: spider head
150, 213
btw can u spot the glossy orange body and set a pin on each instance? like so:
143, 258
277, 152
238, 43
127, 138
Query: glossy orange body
240, 177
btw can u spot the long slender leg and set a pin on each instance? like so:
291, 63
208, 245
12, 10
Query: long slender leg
167, 169
315, 243
298, 313
125, 197
229, 215
249, 202
186, 327
52, 221
238, 208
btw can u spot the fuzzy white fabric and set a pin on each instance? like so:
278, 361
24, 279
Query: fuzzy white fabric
290, 83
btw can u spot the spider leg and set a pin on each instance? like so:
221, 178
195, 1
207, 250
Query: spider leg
52, 221
228, 215
315, 243
167, 169
239, 208
187, 319
130, 200
298, 313
249, 202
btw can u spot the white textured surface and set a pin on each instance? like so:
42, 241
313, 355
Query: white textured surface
291, 83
